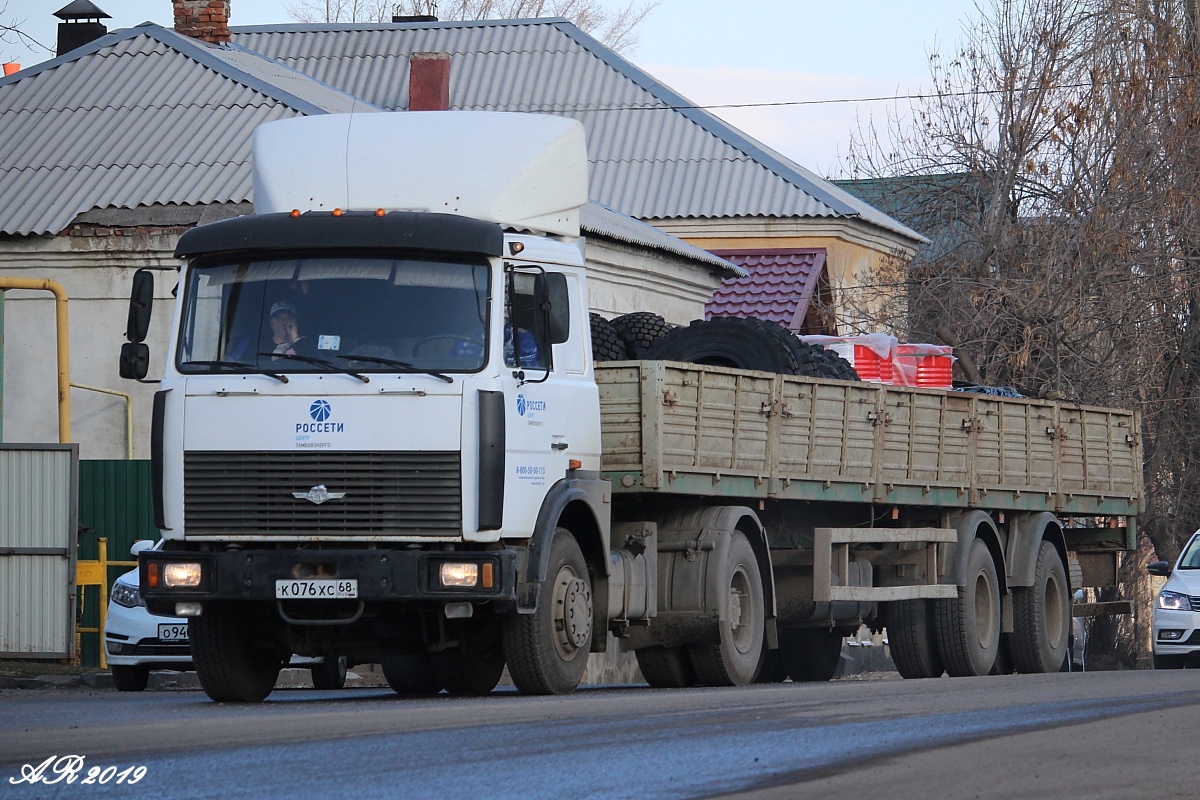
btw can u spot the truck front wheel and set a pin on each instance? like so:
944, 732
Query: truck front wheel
1042, 616
233, 662
734, 661
968, 629
547, 651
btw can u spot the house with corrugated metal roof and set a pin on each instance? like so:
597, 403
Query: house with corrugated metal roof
109, 152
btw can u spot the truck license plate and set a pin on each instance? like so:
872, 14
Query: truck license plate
173, 632
317, 589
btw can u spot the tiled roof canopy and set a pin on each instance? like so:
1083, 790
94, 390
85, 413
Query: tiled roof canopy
779, 288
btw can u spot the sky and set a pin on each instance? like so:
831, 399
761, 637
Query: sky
713, 52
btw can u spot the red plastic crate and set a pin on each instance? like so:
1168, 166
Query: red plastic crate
871, 366
934, 367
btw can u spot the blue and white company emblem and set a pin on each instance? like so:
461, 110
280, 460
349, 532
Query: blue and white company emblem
320, 410
318, 494
521, 404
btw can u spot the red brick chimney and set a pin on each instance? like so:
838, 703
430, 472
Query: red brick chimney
429, 82
206, 20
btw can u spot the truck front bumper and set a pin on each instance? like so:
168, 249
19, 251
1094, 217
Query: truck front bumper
381, 575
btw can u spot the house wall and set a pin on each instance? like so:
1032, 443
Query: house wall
623, 278
858, 261
95, 266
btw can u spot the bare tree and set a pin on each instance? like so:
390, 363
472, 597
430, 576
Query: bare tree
1054, 169
615, 26
11, 33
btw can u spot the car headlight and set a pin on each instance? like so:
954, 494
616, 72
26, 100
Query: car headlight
1174, 601
125, 595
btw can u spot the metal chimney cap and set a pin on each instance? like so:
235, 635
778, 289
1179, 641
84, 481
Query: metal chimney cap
81, 9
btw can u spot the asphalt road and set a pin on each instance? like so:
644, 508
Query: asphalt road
1091, 735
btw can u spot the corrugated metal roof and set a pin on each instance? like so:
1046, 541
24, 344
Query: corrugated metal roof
140, 117
601, 220
113, 123
654, 154
777, 288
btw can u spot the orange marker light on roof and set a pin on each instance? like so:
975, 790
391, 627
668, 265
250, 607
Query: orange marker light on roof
379, 212
337, 212
295, 213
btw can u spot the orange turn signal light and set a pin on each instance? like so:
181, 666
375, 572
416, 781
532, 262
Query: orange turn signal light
574, 463
152, 575
488, 577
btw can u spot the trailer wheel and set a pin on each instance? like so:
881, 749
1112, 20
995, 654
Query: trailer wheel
606, 342
810, 654
734, 661
330, 673
547, 651
411, 673
968, 628
470, 673
639, 331
1042, 616
666, 667
911, 639
230, 660
131, 678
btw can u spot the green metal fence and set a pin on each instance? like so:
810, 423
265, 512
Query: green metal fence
114, 502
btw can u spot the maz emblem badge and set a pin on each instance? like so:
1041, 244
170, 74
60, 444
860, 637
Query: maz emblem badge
318, 494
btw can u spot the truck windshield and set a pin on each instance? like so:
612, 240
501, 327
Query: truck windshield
311, 314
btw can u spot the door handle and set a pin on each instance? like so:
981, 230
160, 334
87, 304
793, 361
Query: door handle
558, 446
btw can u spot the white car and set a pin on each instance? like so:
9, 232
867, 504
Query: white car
1177, 609
136, 641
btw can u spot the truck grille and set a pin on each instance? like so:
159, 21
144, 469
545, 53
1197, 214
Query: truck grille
388, 493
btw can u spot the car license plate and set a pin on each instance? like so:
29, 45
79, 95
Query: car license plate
317, 589
173, 632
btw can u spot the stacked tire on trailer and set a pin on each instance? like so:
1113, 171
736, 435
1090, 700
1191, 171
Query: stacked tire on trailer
804, 654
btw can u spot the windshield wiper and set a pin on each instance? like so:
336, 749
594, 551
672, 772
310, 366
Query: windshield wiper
237, 366
403, 365
328, 366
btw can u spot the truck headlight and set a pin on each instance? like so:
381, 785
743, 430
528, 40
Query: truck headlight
459, 575
1174, 601
125, 595
181, 576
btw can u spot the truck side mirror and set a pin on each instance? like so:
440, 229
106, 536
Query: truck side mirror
135, 360
558, 307
141, 302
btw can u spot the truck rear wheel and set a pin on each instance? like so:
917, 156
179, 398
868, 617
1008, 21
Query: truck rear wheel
911, 639
411, 673
734, 661
470, 673
231, 661
1042, 616
666, 667
968, 628
810, 654
547, 651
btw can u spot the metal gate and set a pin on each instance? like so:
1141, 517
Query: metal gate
38, 518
